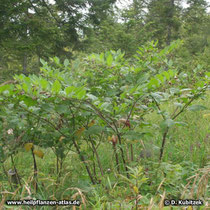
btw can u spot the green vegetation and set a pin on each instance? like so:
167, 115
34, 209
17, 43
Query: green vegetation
104, 105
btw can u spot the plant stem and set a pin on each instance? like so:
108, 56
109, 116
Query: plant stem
123, 156
10, 183
163, 143
83, 160
79, 152
116, 158
35, 170
97, 156
57, 164
16, 172
132, 157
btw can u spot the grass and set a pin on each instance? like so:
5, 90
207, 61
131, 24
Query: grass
183, 173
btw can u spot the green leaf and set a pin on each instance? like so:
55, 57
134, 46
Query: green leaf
166, 74
69, 90
181, 123
43, 62
62, 108
171, 73
27, 86
8, 87
167, 123
160, 77
153, 82
174, 91
44, 84
133, 135
92, 97
178, 104
56, 87
95, 129
56, 60
28, 101
66, 62
157, 96
109, 59
80, 93
197, 107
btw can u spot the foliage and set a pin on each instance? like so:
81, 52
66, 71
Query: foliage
101, 100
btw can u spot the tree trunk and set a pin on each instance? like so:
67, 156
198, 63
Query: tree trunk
25, 64
170, 20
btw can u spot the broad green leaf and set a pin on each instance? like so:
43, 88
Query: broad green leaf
133, 135
197, 107
25, 87
8, 87
28, 101
104, 105
62, 108
160, 77
81, 94
56, 60
44, 83
92, 97
43, 62
178, 104
181, 123
56, 87
157, 96
166, 74
174, 90
167, 123
171, 73
123, 95
109, 59
153, 82
69, 90
102, 56
66, 62
95, 129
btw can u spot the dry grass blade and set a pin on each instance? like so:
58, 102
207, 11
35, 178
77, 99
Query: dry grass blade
7, 192
199, 186
160, 185
151, 204
193, 186
161, 204
51, 181
26, 184
28, 190
185, 189
203, 182
2, 202
64, 178
79, 192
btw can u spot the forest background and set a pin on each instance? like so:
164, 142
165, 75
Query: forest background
30, 30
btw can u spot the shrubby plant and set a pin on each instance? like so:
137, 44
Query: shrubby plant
101, 101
